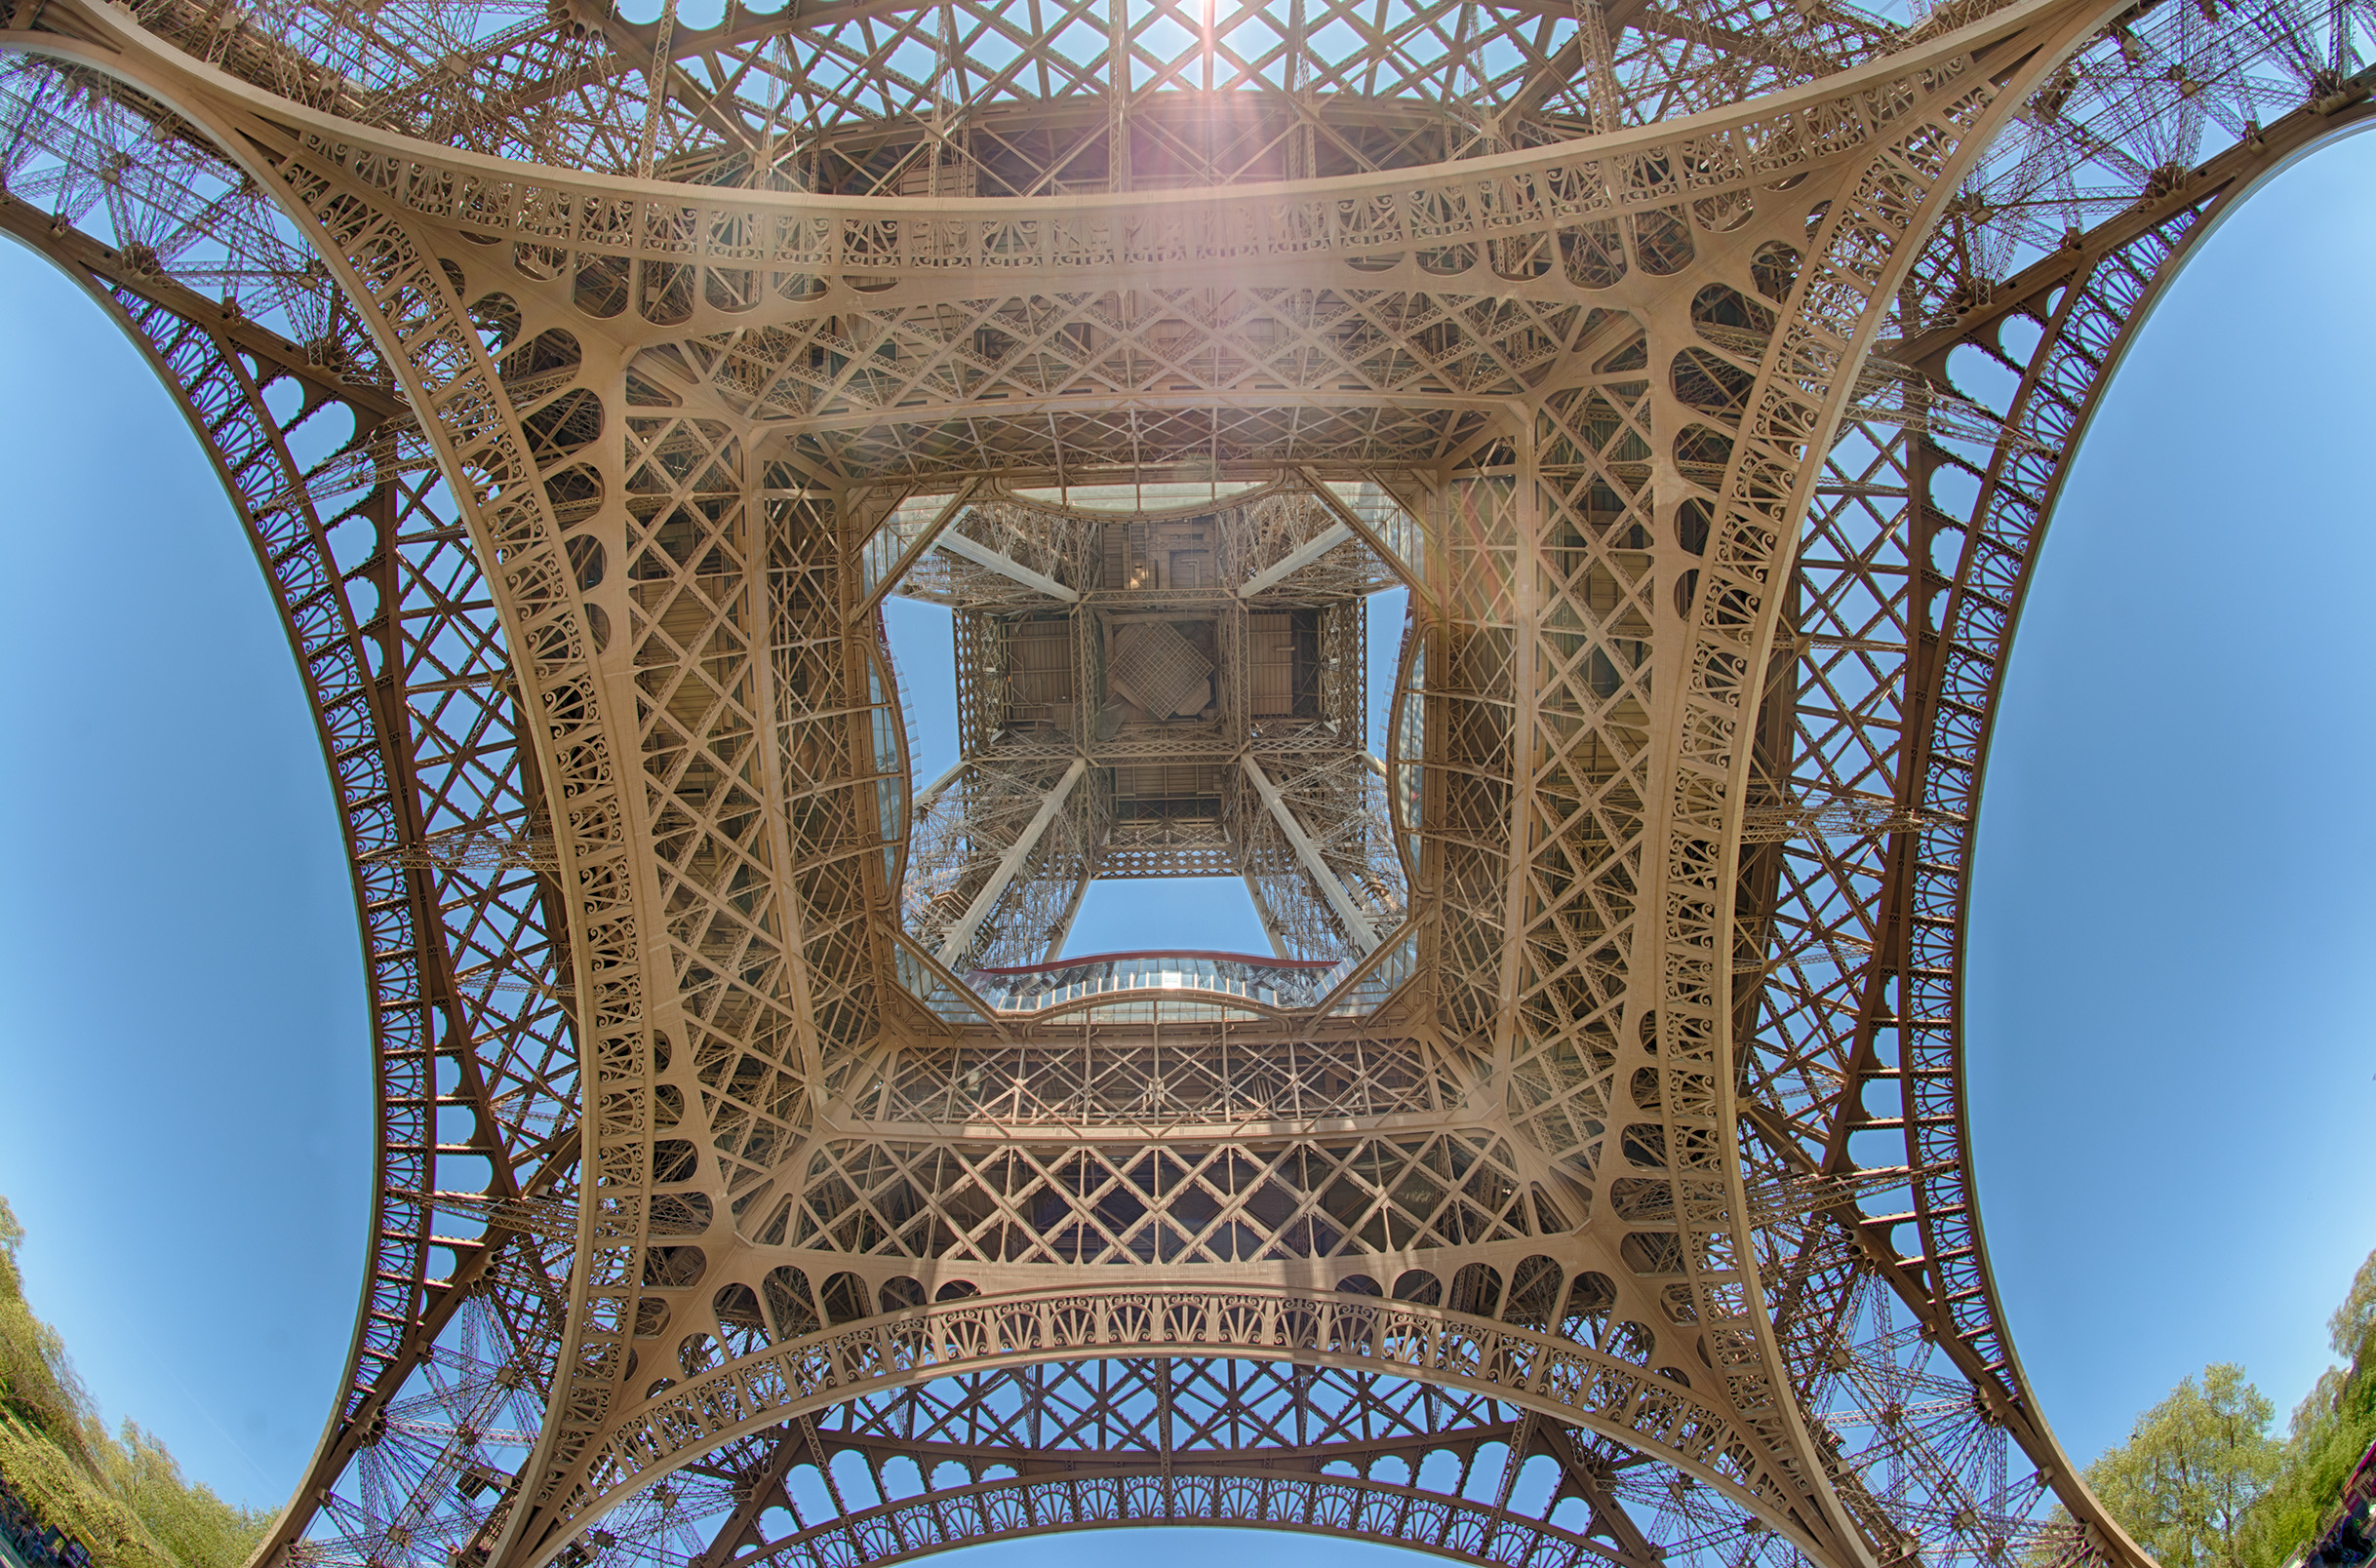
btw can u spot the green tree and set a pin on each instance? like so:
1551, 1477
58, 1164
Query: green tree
2348, 1329
2194, 1466
37, 1383
2330, 1429
126, 1499
196, 1528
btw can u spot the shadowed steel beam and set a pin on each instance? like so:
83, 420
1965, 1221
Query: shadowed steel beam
1262, 913
757, 1492
981, 555
1357, 924
1366, 530
1608, 1508
930, 795
1302, 556
926, 538
1064, 925
961, 936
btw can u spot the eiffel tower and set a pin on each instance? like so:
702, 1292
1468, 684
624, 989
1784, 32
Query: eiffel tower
767, 1179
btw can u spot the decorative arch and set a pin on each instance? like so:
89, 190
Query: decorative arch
405, 670
1379, 1512
1543, 1373
1846, 1290
958, 1460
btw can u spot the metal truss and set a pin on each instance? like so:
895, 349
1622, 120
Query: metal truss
412, 694
1071, 771
1608, 1197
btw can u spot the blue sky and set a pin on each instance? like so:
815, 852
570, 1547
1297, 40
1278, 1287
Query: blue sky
2169, 1032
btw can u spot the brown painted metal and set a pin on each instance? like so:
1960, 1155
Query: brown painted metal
1620, 1206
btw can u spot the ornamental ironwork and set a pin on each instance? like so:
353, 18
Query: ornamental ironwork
766, 1175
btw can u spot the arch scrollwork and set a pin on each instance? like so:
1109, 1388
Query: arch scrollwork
1654, 419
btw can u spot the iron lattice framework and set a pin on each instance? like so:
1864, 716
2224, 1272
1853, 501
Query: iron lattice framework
1168, 694
1587, 1176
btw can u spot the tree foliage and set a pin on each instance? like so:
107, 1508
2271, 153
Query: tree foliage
122, 1494
2199, 1483
2192, 1469
2330, 1429
196, 1528
37, 1384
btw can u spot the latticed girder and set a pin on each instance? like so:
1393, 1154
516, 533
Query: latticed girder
415, 711
1140, 1441
624, 778
1153, 681
983, 100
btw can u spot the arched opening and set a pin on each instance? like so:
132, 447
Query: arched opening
985, 1456
2208, 616
2167, 933
184, 1047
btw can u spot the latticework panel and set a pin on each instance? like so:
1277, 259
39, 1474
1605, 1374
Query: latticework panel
1471, 729
994, 864
1708, 607
1084, 1070
412, 683
1166, 1203
1338, 805
1145, 1442
837, 841
1288, 537
1047, 543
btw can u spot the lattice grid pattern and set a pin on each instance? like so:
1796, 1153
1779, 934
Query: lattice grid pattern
1709, 604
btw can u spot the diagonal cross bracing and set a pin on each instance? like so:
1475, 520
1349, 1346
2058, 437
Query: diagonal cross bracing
1302, 556
1356, 921
981, 555
954, 946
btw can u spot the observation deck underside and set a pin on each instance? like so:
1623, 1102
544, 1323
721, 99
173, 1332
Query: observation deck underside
1583, 1174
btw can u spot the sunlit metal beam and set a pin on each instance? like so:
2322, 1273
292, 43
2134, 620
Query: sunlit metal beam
961, 936
1348, 913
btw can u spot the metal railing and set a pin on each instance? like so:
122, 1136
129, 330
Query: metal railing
1288, 984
